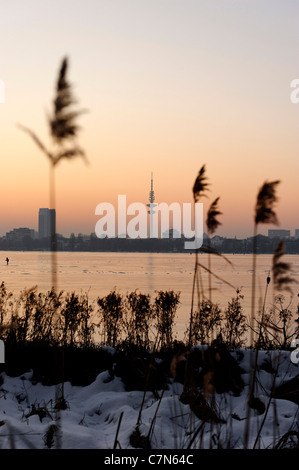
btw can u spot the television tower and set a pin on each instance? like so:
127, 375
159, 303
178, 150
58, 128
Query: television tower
151, 205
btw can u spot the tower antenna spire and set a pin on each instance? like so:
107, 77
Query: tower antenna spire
151, 205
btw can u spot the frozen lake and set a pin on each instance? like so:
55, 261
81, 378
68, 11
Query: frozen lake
98, 273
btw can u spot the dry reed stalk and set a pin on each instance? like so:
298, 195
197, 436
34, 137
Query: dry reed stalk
263, 308
63, 131
199, 187
151, 366
264, 214
267, 408
212, 225
116, 441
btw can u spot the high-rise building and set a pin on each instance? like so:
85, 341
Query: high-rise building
297, 233
46, 223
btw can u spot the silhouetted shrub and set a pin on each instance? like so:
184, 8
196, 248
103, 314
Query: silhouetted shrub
111, 310
45, 317
206, 322
165, 306
138, 319
234, 324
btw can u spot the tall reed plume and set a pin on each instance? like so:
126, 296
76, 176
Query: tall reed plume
281, 269
63, 131
200, 186
212, 221
264, 208
264, 214
212, 225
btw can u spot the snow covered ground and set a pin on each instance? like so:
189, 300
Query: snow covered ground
93, 412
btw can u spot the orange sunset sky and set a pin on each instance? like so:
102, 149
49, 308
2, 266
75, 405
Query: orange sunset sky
169, 85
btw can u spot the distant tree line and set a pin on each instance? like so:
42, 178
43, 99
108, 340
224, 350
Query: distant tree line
80, 242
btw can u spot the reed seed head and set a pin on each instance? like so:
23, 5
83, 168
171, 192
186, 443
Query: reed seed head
212, 221
264, 211
281, 270
200, 184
